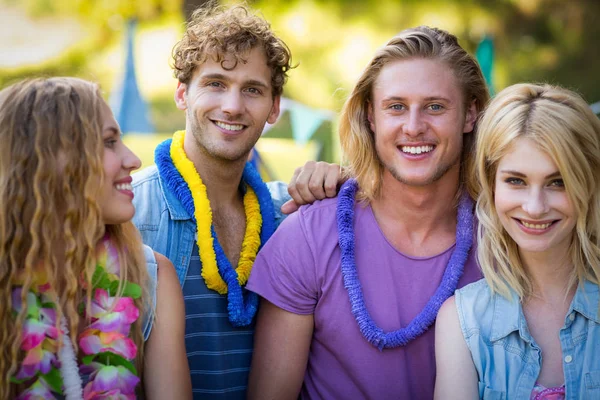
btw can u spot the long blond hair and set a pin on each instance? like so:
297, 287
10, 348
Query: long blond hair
51, 172
357, 139
561, 123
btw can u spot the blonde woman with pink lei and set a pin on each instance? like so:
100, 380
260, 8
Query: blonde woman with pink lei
87, 311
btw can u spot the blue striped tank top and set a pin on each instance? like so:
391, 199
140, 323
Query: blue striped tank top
219, 355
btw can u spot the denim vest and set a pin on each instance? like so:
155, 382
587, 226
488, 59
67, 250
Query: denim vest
507, 359
167, 227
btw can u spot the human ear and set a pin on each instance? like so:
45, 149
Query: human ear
370, 117
181, 96
275, 110
470, 117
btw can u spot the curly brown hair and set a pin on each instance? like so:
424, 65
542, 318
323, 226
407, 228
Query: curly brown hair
215, 31
51, 172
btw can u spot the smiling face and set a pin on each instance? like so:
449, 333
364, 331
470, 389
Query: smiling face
226, 109
531, 200
419, 118
116, 198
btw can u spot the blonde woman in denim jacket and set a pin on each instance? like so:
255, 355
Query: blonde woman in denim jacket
531, 328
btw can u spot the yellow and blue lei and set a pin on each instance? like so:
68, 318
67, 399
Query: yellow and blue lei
182, 179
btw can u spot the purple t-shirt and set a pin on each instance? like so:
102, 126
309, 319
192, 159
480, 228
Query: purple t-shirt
298, 270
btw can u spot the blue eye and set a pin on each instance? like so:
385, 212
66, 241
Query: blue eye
514, 181
436, 107
557, 183
253, 90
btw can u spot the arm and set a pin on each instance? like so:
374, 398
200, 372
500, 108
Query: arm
314, 181
456, 375
281, 345
166, 370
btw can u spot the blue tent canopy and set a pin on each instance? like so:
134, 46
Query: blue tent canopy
126, 102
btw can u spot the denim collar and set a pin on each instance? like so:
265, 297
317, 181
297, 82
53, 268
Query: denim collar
508, 313
587, 301
508, 317
176, 210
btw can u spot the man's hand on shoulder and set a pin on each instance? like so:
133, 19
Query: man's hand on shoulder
314, 181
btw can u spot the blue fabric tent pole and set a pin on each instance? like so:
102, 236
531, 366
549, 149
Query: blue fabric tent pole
130, 109
485, 58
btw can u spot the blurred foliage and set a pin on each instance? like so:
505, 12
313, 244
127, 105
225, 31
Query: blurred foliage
332, 40
165, 116
535, 40
104, 15
72, 63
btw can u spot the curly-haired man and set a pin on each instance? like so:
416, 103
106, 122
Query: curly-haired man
202, 205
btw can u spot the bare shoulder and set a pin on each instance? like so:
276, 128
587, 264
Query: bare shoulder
166, 344
169, 305
167, 277
447, 320
456, 376
162, 261
447, 310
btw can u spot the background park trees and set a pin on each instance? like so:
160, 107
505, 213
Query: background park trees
552, 41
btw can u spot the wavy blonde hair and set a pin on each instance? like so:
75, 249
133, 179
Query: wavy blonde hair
51, 172
357, 139
215, 31
562, 124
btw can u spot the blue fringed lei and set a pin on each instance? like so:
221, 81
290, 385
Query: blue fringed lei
454, 270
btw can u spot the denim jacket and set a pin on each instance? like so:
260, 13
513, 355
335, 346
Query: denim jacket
167, 227
507, 359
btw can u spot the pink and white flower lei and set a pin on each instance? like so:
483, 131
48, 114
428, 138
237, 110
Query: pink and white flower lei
108, 350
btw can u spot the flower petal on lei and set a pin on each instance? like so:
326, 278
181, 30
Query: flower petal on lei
39, 279
123, 314
108, 256
114, 382
112, 395
40, 358
39, 390
31, 301
94, 341
16, 299
35, 331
